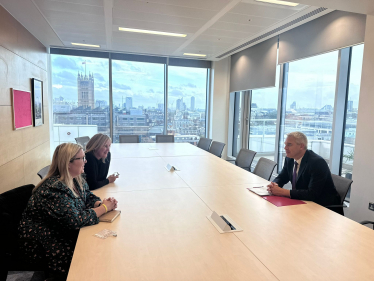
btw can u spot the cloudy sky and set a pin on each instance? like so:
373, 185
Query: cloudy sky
144, 82
312, 82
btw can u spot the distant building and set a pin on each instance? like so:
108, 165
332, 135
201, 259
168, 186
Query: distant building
293, 105
101, 103
136, 112
179, 103
254, 105
350, 105
160, 106
192, 103
128, 103
86, 96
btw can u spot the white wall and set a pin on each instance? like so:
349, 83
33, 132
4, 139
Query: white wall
363, 166
220, 102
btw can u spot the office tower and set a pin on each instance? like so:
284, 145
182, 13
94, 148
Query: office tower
350, 105
293, 105
192, 103
86, 95
128, 103
160, 106
179, 104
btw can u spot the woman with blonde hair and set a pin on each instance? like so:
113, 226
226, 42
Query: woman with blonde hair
60, 205
98, 161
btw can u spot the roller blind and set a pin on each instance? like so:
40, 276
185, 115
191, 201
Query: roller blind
254, 67
330, 32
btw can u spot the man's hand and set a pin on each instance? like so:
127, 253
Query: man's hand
275, 190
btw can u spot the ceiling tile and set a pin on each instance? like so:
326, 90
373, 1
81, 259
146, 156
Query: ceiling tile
269, 11
47, 5
237, 27
249, 20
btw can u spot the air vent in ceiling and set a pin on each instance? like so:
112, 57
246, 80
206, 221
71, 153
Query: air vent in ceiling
287, 25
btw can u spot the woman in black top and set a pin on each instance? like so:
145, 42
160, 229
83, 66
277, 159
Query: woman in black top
98, 161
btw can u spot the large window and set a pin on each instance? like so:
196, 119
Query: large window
80, 97
263, 124
84, 100
138, 99
187, 92
309, 102
351, 112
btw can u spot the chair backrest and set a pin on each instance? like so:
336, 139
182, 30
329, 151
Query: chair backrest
12, 205
264, 168
216, 148
83, 141
43, 172
245, 158
342, 185
129, 139
164, 138
204, 143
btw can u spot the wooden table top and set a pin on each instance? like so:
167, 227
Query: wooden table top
163, 232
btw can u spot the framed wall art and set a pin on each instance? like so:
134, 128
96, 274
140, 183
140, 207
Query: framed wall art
22, 116
37, 102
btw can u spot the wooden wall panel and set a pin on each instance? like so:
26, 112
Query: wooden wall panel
34, 160
23, 152
9, 76
11, 145
12, 174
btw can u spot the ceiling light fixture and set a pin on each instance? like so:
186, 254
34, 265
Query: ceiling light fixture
86, 45
194, 55
285, 3
152, 32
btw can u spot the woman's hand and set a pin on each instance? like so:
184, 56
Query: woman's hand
112, 178
110, 203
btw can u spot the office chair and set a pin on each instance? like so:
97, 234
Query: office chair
43, 172
204, 143
129, 139
245, 158
264, 168
164, 138
367, 222
342, 186
12, 205
216, 148
83, 141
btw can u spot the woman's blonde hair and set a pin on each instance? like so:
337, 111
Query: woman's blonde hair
96, 142
63, 155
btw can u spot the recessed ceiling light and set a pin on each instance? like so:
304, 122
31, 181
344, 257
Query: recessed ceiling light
194, 55
86, 45
152, 32
279, 2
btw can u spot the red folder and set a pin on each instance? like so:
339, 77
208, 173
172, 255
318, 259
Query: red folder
282, 201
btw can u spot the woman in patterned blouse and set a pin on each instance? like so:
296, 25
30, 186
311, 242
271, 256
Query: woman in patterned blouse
60, 205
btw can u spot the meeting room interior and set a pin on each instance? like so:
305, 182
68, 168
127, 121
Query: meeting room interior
186, 140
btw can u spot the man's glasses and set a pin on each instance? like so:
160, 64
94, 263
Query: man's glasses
83, 158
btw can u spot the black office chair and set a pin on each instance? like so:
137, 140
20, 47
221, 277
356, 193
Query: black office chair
367, 222
245, 158
164, 138
43, 172
204, 143
216, 148
129, 139
264, 168
83, 141
342, 186
12, 205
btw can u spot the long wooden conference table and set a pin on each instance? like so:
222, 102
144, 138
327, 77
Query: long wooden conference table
163, 232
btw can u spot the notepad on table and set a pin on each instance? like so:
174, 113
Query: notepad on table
110, 216
259, 190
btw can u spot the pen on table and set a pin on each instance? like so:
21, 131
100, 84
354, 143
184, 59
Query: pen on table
257, 186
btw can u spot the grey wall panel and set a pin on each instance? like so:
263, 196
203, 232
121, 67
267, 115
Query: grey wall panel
330, 32
254, 67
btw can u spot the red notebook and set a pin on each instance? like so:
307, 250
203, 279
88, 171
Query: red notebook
282, 201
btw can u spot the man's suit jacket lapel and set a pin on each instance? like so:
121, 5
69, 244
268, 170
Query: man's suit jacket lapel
303, 165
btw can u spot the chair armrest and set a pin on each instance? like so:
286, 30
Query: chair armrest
335, 206
230, 160
367, 222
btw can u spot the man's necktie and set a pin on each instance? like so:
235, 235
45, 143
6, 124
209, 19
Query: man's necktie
294, 177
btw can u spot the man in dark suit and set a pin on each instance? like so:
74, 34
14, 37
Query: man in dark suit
308, 172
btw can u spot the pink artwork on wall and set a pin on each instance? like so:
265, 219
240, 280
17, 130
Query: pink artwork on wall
22, 114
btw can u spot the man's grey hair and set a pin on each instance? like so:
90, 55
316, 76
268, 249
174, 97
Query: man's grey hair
300, 138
